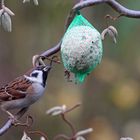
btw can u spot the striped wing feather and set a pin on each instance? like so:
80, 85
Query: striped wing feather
15, 89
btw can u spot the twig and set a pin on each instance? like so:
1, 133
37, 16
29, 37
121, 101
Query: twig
9, 123
112, 3
72, 108
62, 111
51, 51
27, 123
52, 60
38, 133
68, 122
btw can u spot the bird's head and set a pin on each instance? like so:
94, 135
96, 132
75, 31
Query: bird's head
39, 74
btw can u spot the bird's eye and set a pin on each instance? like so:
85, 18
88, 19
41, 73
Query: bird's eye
34, 74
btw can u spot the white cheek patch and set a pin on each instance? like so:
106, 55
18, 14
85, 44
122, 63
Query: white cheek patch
37, 79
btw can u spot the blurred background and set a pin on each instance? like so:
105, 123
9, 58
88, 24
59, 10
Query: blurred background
110, 95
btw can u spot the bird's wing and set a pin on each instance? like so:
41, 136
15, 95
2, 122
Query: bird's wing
15, 89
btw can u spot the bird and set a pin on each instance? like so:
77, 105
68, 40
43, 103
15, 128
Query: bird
24, 90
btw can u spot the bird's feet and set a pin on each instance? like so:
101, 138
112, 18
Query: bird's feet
16, 122
13, 118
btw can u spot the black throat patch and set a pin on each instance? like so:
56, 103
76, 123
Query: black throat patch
44, 77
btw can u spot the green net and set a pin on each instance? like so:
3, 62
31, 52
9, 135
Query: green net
81, 48
79, 20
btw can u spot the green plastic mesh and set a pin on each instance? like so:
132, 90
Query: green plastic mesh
79, 20
81, 48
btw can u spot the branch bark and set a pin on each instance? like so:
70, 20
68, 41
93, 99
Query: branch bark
123, 11
9, 123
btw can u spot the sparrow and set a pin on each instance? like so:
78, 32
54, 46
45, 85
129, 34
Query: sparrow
24, 90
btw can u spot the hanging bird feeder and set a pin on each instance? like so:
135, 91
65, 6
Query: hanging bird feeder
81, 48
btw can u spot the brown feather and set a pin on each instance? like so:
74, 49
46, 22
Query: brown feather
16, 89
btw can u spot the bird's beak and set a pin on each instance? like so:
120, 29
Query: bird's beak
47, 68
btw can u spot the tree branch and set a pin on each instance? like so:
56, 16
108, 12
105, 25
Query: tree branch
51, 51
9, 123
123, 11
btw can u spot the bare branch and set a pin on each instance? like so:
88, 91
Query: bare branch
9, 123
38, 133
69, 123
52, 51
123, 11
72, 108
